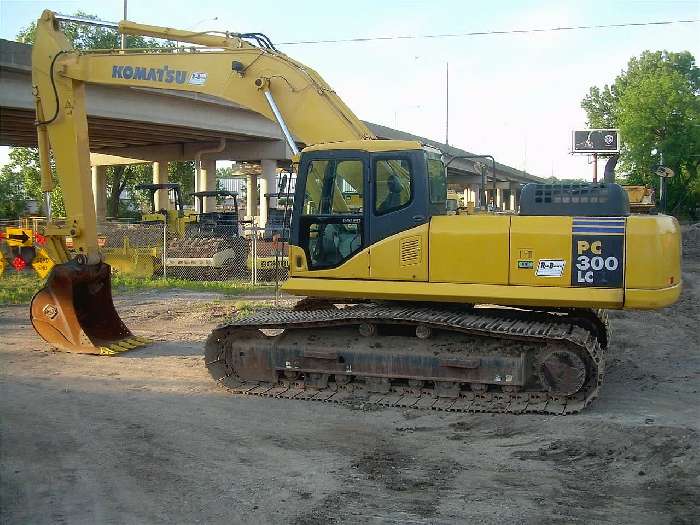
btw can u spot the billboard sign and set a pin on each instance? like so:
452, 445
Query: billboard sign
596, 141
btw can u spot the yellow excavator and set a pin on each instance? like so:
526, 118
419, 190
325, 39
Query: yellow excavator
406, 303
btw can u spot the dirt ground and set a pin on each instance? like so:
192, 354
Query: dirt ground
148, 437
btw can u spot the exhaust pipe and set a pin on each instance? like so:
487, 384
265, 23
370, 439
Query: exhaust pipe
609, 173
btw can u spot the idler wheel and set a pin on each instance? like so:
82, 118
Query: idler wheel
562, 372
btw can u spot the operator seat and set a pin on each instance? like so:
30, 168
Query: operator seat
328, 247
393, 199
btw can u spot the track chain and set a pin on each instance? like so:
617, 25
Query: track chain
523, 325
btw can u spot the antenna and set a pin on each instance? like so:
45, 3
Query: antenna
447, 103
123, 34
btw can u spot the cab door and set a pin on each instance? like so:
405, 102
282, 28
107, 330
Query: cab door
399, 217
398, 193
331, 217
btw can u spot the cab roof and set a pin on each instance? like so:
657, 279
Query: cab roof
371, 145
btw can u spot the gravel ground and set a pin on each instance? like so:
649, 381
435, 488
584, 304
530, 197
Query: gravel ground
148, 438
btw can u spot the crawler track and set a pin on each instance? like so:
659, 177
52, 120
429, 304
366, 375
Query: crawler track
454, 359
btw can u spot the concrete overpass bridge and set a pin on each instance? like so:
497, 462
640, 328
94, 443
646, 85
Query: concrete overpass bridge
137, 125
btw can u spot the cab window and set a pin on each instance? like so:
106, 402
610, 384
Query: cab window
393, 180
331, 222
437, 181
334, 188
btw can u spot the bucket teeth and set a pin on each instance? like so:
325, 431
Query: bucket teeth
124, 345
110, 350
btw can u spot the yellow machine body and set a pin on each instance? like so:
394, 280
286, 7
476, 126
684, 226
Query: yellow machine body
448, 258
494, 259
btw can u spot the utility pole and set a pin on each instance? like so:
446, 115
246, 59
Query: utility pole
123, 35
447, 103
595, 167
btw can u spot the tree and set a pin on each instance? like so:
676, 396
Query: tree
655, 103
183, 173
20, 181
82, 36
20, 178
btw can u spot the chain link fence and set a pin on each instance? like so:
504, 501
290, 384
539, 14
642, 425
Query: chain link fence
243, 255
152, 250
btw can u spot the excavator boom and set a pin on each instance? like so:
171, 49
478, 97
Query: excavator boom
74, 310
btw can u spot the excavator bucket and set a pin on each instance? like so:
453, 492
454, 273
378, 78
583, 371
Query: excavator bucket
74, 311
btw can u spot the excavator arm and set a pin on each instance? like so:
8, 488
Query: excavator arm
74, 310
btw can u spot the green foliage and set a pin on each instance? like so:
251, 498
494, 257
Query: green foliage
82, 36
655, 103
20, 181
20, 287
126, 177
183, 173
122, 283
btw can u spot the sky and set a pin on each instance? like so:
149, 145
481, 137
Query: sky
516, 97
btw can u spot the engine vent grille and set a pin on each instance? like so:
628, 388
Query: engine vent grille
574, 199
411, 251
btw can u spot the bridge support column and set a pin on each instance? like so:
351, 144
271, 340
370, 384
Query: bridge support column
207, 182
471, 194
251, 200
99, 191
160, 176
267, 185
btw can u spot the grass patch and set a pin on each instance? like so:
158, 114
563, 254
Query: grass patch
124, 284
18, 288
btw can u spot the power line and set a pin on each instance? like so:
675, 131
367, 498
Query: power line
485, 33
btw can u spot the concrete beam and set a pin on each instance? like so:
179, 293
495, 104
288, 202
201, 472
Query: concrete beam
157, 108
503, 185
99, 159
16, 89
149, 106
240, 151
462, 178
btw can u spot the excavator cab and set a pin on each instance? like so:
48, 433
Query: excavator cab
349, 199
